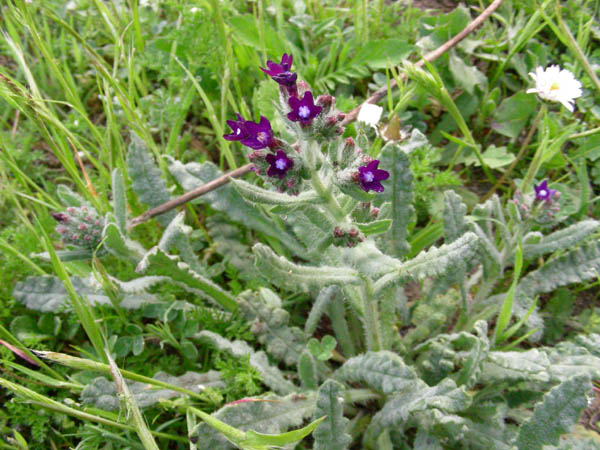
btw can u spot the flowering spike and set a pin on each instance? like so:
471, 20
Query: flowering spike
279, 164
369, 177
276, 69
305, 110
542, 193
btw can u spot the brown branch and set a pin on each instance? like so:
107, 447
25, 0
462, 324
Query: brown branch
188, 196
350, 117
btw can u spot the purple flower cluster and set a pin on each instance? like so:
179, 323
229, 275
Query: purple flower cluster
303, 109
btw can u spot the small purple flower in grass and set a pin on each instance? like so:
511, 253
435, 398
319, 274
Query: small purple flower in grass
305, 110
275, 69
542, 192
279, 164
239, 132
369, 177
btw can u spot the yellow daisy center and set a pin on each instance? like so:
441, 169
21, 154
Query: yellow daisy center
555, 86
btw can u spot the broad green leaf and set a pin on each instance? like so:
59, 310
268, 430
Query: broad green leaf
513, 114
466, 75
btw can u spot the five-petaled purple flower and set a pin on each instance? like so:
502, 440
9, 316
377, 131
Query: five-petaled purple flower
239, 132
369, 177
279, 164
251, 134
305, 110
276, 69
542, 193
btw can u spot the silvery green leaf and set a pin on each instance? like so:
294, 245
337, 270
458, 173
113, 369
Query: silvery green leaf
463, 351
554, 416
307, 371
566, 238
590, 342
118, 244
227, 200
375, 227
382, 370
272, 376
102, 394
284, 273
530, 365
398, 190
119, 200
177, 235
146, 178
576, 266
320, 307
331, 434
68, 197
401, 410
568, 359
256, 194
158, 263
236, 348
267, 414
48, 294
454, 216
434, 262
66, 255
270, 324
369, 260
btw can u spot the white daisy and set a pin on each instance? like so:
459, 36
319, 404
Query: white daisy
370, 114
556, 85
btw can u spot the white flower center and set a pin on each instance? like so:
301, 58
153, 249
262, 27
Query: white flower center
238, 131
368, 177
543, 193
261, 136
281, 163
304, 112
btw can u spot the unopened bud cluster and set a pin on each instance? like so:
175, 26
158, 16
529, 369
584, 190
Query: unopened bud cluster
347, 237
79, 227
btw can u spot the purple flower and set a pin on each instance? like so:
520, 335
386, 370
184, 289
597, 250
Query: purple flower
239, 132
279, 164
260, 135
60, 217
542, 192
369, 177
275, 69
305, 110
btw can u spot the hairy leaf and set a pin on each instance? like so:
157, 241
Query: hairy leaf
119, 200
48, 294
157, 262
383, 370
562, 239
227, 200
102, 393
400, 188
256, 194
454, 216
284, 273
555, 415
320, 307
146, 180
331, 434
268, 414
